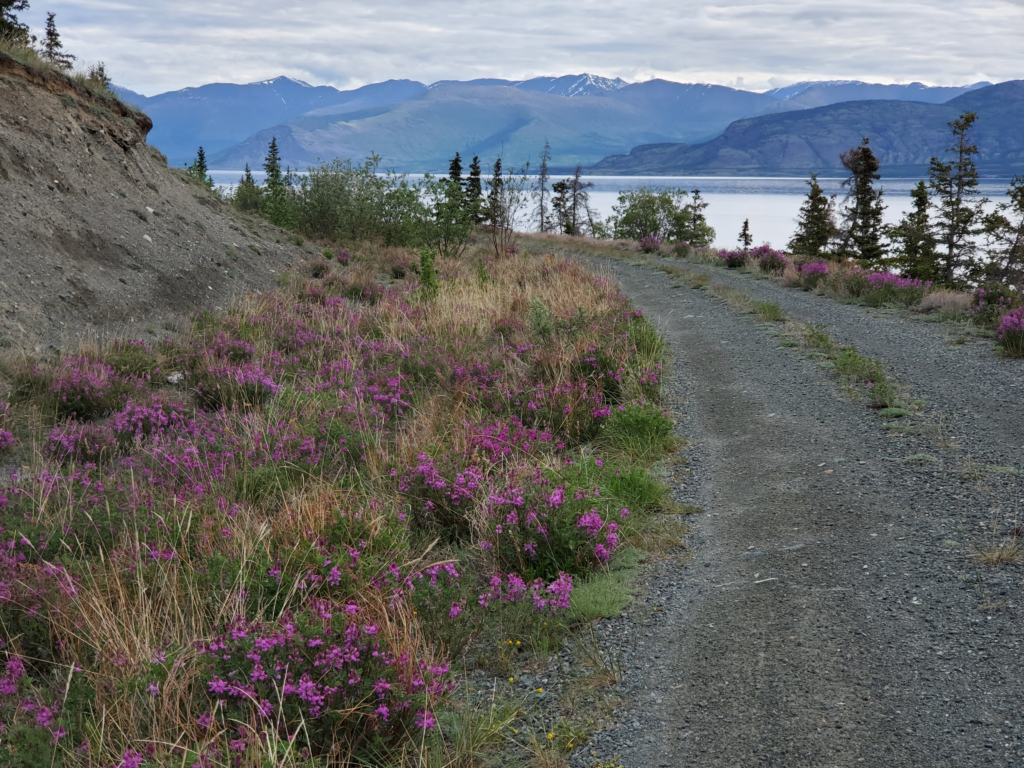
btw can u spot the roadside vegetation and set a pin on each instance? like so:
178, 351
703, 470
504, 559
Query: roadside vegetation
279, 539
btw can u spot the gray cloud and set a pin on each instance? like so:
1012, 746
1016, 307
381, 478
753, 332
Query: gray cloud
157, 46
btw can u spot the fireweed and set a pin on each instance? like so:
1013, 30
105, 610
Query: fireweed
648, 244
281, 528
734, 259
989, 304
769, 260
1011, 332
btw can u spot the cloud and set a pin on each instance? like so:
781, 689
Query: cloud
157, 46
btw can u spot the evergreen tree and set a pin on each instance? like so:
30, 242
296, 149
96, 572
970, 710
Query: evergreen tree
541, 192
97, 77
275, 203
861, 237
745, 238
494, 193
53, 48
695, 230
1004, 229
580, 217
10, 27
475, 191
816, 224
912, 239
455, 170
199, 171
560, 205
959, 213
247, 194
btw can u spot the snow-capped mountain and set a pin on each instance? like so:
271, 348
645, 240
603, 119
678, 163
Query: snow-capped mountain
822, 93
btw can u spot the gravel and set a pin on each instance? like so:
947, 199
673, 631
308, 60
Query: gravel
830, 611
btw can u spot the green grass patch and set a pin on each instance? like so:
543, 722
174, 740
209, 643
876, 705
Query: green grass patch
893, 413
643, 432
606, 594
768, 311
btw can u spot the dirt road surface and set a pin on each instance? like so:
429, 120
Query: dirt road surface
833, 612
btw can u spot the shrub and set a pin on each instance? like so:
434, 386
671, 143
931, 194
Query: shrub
648, 244
733, 259
681, 250
886, 287
769, 260
990, 302
811, 273
1011, 332
75, 387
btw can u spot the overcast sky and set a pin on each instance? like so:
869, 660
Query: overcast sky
154, 46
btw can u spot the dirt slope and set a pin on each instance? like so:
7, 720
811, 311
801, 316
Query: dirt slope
96, 233
832, 613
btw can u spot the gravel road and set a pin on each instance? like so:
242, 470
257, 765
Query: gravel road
831, 611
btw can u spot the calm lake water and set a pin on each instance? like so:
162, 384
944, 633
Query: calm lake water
771, 204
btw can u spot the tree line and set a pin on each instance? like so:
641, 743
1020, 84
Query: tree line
346, 201
946, 238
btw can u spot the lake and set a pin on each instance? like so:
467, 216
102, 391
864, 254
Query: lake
771, 204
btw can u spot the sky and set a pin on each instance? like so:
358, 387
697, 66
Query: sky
155, 46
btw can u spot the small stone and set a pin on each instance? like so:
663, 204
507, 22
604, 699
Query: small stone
147, 238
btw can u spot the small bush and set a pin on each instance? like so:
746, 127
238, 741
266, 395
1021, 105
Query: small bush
769, 261
75, 387
812, 273
734, 259
648, 244
886, 287
681, 250
989, 303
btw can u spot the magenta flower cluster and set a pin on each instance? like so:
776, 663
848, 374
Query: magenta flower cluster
648, 244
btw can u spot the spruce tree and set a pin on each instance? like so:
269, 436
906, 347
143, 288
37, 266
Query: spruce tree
199, 171
1004, 229
455, 170
275, 197
475, 191
10, 27
745, 238
696, 230
53, 48
912, 239
816, 224
247, 194
494, 193
959, 213
541, 192
861, 236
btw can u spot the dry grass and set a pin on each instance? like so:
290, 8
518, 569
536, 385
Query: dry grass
1009, 550
944, 300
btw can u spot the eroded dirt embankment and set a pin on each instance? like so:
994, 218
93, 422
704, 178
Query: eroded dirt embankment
96, 233
833, 613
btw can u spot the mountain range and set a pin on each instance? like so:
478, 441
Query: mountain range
904, 135
609, 125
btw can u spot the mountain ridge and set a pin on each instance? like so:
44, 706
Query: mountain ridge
904, 135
